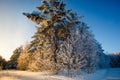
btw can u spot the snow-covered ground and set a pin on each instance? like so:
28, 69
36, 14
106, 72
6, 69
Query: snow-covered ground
113, 74
106, 74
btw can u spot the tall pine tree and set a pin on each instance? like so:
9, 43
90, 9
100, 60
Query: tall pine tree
56, 27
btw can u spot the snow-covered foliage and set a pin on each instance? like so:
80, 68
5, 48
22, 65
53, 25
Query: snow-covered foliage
62, 41
69, 56
23, 60
41, 64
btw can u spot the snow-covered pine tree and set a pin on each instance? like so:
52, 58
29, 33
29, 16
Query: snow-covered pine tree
95, 56
103, 59
69, 57
53, 20
79, 51
58, 26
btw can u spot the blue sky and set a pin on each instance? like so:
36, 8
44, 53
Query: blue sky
103, 17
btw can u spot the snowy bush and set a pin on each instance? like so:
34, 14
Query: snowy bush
24, 58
